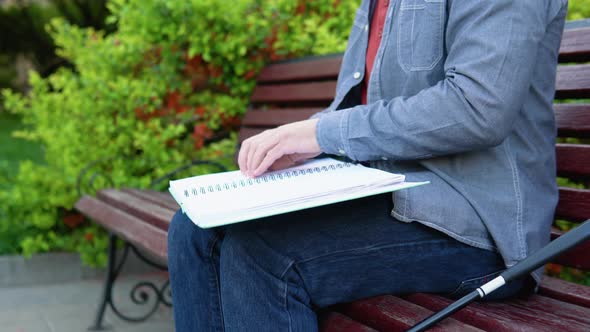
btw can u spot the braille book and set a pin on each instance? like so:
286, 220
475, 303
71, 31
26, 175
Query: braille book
230, 197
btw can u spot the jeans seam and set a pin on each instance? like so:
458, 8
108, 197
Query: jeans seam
369, 249
282, 275
213, 244
289, 321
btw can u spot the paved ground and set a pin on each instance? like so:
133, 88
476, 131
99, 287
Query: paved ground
71, 307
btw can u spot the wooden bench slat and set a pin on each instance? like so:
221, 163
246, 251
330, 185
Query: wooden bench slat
573, 160
491, 321
277, 117
317, 92
304, 69
575, 45
501, 316
135, 206
337, 322
164, 200
162, 195
574, 204
391, 313
573, 82
136, 231
572, 120
565, 291
576, 257
538, 305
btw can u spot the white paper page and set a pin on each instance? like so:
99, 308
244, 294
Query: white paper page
230, 195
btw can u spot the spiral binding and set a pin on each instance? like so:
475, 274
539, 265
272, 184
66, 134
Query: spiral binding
275, 176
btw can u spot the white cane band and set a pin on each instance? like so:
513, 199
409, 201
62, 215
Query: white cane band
491, 286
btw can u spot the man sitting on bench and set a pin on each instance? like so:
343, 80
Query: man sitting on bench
455, 92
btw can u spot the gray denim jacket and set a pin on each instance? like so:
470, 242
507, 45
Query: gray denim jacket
460, 95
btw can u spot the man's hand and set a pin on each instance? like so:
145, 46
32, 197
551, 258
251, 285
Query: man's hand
290, 160
279, 148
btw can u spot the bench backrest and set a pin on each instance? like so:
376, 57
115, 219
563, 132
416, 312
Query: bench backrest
294, 90
572, 114
291, 91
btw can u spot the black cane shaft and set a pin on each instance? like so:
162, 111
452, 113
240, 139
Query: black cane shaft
521, 269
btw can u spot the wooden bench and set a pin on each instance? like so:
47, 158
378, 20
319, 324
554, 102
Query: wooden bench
294, 90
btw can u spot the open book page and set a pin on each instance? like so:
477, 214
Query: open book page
222, 198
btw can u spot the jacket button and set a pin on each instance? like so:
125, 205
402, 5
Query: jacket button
341, 152
356, 75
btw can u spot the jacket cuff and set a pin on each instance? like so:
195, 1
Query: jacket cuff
332, 133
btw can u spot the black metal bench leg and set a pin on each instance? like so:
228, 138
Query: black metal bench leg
112, 272
140, 293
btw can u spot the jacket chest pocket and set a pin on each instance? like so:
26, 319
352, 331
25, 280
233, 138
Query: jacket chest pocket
420, 34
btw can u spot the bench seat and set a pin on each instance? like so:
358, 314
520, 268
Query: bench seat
559, 305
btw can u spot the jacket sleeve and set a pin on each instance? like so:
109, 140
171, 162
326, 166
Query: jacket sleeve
491, 51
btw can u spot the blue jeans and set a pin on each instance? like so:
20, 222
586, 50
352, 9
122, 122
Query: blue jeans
272, 274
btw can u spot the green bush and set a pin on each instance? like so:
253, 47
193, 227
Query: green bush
578, 9
169, 85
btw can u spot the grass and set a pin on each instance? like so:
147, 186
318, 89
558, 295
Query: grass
13, 150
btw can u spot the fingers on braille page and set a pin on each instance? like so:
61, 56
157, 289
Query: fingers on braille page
243, 156
271, 156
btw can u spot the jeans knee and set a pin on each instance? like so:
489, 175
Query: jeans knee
185, 237
250, 268
179, 230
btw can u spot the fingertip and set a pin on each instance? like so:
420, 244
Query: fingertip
257, 172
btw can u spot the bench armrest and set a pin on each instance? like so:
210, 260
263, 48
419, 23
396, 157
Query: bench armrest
85, 183
193, 163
